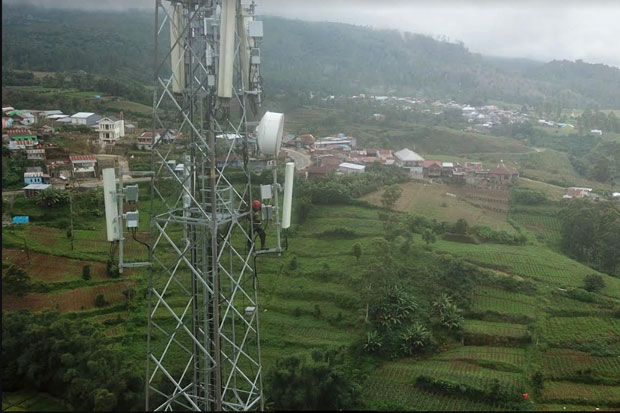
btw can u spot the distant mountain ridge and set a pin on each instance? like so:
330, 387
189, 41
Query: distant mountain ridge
300, 56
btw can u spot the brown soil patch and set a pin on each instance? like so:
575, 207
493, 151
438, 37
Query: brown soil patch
74, 300
51, 268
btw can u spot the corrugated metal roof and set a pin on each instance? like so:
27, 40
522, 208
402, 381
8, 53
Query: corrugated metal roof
37, 186
407, 155
78, 158
81, 115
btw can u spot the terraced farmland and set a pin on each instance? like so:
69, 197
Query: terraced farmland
562, 363
582, 393
504, 302
564, 330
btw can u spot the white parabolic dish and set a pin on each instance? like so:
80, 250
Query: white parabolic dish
269, 133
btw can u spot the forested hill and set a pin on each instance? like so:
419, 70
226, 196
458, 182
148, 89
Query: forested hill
327, 58
344, 58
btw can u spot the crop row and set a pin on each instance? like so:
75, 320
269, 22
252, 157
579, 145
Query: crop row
455, 371
412, 398
495, 329
563, 363
566, 329
514, 356
582, 393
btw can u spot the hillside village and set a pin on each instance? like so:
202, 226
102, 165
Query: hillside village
27, 133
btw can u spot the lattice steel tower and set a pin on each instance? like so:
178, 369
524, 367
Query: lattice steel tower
203, 335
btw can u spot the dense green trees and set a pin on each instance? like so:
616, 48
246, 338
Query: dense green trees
344, 189
16, 281
325, 381
591, 234
67, 358
326, 58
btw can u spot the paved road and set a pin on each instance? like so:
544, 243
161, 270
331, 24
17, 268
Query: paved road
302, 160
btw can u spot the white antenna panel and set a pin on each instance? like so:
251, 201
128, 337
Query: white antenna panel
227, 48
269, 133
289, 174
177, 53
111, 207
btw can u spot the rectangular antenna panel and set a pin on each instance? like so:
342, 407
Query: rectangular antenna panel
132, 219
265, 192
255, 28
227, 49
177, 53
131, 193
289, 174
111, 207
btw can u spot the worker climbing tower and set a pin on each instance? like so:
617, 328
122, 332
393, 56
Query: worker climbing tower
203, 326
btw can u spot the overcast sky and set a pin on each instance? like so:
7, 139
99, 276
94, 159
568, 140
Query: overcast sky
537, 29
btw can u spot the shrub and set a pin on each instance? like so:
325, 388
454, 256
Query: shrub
338, 232
594, 283
112, 269
86, 272
527, 196
357, 251
292, 265
16, 281
487, 234
100, 301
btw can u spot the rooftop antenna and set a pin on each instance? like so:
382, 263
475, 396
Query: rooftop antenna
203, 346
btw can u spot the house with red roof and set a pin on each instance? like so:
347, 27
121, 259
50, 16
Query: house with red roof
83, 166
431, 169
501, 175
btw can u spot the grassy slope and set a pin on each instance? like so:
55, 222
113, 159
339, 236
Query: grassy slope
288, 299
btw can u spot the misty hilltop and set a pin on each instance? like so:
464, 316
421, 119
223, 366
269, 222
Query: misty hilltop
300, 56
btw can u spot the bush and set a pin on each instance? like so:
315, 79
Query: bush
527, 196
486, 234
594, 283
86, 272
338, 232
100, 301
16, 281
112, 269
292, 265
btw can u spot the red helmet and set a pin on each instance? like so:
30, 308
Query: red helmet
256, 204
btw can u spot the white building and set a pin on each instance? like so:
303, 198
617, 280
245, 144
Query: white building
596, 132
35, 154
110, 129
351, 168
408, 159
84, 118
83, 166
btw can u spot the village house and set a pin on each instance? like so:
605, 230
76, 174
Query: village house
84, 119
431, 169
110, 129
83, 166
322, 170
22, 142
303, 141
447, 168
36, 178
146, 141
25, 118
351, 168
408, 159
59, 169
33, 190
47, 130
502, 175
385, 156
35, 154
34, 169
575, 192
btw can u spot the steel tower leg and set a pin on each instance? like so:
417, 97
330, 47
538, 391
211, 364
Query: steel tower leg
203, 348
